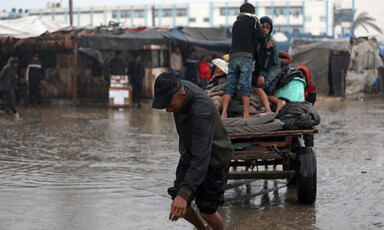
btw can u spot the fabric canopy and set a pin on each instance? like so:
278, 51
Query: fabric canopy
127, 41
26, 27
210, 38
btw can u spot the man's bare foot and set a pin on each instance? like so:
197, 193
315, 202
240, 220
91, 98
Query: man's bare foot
261, 114
246, 117
280, 105
223, 116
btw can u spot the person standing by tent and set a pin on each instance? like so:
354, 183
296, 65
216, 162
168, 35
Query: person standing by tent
34, 76
116, 66
136, 73
205, 151
177, 61
246, 35
8, 81
204, 72
192, 67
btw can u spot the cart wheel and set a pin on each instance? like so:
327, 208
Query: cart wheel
306, 175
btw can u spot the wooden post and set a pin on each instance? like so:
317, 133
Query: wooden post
170, 56
74, 70
70, 13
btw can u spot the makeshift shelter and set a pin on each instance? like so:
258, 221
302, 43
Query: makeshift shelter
218, 39
27, 27
362, 71
151, 44
327, 60
127, 41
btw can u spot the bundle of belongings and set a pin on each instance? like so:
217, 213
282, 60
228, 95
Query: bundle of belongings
296, 114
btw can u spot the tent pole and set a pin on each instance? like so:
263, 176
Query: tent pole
70, 13
74, 71
170, 55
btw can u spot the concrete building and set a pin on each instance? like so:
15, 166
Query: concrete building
310, 16
344, 16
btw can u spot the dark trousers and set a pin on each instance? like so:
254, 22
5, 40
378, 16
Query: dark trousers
192, 77
136, 92
9, 100
34, 93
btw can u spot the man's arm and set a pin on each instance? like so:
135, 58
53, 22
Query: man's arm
27, 75
202, 136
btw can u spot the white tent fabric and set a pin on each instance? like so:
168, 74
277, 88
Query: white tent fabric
26, 27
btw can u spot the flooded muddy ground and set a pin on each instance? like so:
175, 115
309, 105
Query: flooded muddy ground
63, 167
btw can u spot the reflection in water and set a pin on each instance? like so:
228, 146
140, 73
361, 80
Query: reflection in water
99, 168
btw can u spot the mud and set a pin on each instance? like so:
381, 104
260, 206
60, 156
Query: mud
98, 168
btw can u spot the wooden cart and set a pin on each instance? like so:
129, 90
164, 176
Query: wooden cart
289, 154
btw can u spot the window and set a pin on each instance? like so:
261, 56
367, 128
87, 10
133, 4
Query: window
138, 13
164, 13
167, 13
192, 19
296, 11
181, 12
308, 18
232, 11
206, 19
323, 18
296, 29
123, 13
346, 15
280, 10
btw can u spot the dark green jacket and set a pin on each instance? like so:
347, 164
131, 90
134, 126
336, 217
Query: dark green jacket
203, 141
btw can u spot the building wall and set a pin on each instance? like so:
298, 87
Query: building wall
372, 7
291, 16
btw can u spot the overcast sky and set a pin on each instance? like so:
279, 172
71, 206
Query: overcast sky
37, 4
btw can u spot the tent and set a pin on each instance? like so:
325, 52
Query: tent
27, 27
327, 60
362, 72
127, 41
218, 39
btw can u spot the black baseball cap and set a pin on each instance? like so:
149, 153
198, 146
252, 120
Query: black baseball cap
166, 85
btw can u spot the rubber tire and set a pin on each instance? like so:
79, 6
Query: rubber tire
306, 175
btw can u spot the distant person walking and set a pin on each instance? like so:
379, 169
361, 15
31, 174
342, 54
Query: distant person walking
8, 81
191, 67
136, 73
34, 76
177, 61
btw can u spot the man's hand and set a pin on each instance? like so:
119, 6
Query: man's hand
270, 44
178, 208
260, 81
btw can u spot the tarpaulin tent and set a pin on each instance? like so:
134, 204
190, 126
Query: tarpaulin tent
126, 41
362, 72
27, 27
210, 38
327, 60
